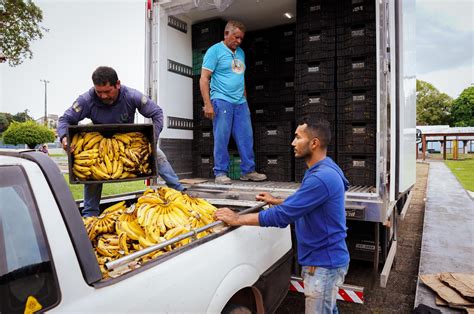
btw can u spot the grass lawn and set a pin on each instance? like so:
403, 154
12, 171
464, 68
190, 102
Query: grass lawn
108, 189
464, 171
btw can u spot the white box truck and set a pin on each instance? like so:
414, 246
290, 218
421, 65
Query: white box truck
170, 69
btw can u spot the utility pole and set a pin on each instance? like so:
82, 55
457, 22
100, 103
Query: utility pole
45, 102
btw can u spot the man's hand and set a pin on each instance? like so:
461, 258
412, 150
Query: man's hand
268, 198
64, 143
208, 111
228, 216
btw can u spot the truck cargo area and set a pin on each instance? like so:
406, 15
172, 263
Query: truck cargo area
348, 61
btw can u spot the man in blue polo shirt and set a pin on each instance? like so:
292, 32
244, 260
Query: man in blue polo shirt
222, 86
317, 209
110, 102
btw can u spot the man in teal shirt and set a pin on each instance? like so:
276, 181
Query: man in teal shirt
222, 86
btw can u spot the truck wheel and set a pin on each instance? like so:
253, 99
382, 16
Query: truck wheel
236, 309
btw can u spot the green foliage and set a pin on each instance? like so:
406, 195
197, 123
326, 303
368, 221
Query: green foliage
116, 188
22, 116
3, 122
462, 113
432, 106
29, 133
19, 25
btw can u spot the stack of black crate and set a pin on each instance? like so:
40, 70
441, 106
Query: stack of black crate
315, 68
356, 91
204, 35
270, 56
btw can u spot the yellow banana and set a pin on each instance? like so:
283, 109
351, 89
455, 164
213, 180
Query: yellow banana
92, 141
74, 140
79, 175
99, 173
123, 242
115, 145
114, 207
84, 162
124, 138
108, 165
78, 146
117, 173
89, 135
82, 169
110, 149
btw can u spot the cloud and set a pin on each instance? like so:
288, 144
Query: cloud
445, 35
450, 81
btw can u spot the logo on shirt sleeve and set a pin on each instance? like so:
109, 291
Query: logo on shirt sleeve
76, 107
144, 100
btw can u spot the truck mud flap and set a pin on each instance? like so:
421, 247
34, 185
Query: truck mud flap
347, 293
273, 284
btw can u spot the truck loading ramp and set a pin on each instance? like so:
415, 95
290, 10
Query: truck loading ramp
448, 232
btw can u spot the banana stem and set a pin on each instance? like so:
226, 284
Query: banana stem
130, 257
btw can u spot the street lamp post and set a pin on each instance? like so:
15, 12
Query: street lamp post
45, 102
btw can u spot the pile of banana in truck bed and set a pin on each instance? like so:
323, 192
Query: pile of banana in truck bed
157, 216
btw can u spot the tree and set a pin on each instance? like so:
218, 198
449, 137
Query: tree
432, 106
22, 116
29, 133
19, 25
3, 122
462, 113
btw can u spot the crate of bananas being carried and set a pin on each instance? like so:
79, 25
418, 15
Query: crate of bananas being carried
111, 152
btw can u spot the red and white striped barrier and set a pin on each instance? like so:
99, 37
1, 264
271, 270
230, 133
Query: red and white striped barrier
346, 293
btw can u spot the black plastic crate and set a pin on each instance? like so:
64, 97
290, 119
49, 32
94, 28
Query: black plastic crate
315, 45
203, 140
356, 71
203, 165
358, 105
284, 65
315, 75
273, 112
277, 166
274, 136
283, 90
319, 102
258, 44
301, 167
260, 68
314, 14
356, 138
356, 39
359, 169
284, 37
259, 91
351, 11
361, 240
206, 34
198, 58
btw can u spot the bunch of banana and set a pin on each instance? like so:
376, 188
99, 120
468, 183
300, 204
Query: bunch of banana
124, 155
157, 216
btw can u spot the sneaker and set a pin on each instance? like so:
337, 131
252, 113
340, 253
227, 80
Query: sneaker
223, 179
253, 176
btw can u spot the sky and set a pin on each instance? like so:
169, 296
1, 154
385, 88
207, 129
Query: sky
86, 34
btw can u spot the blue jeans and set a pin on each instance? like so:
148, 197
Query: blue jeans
320, 289
93, 192
232, 119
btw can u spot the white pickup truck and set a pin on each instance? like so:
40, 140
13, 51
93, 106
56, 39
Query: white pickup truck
47, 262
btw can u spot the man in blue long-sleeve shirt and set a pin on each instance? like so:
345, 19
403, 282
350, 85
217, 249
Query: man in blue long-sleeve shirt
317, 209
109, 102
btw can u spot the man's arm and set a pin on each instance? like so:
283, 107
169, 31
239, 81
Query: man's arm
268, 198
149, 109
204, 83
231, 218
77, 112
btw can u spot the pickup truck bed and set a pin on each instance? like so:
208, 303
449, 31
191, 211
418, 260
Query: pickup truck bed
234, 266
